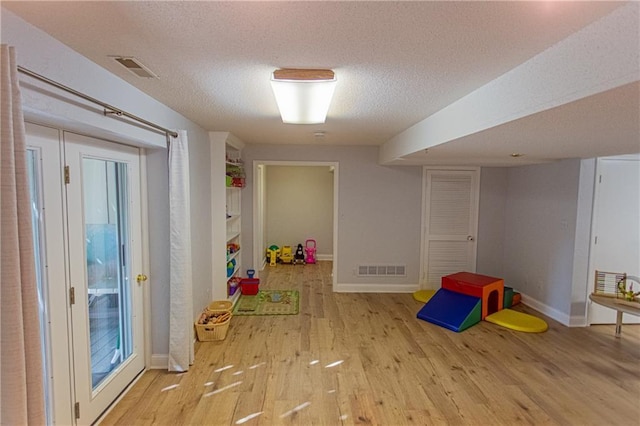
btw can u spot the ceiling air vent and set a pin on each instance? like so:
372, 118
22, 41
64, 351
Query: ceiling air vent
135, 66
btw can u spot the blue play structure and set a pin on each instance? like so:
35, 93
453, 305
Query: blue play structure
467, 298
451, 310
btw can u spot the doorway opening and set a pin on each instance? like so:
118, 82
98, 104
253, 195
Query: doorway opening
288, 205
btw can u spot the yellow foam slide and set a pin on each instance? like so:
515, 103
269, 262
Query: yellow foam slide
423, 295
518, 321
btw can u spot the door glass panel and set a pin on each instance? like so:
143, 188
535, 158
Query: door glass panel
35, 198
106, 219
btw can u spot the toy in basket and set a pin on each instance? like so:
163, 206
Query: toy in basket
213, 323
310, 249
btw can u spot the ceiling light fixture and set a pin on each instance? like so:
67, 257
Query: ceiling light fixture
303, 95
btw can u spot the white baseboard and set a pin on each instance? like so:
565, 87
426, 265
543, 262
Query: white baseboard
578, 321
561, 317
319, 258
375, 288
159, 362
263, 264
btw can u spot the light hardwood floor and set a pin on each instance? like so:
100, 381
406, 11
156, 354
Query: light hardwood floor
390, 368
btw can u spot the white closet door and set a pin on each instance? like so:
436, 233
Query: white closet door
450, 223
616, 227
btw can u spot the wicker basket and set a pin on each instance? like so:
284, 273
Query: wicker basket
220, 306
212, 332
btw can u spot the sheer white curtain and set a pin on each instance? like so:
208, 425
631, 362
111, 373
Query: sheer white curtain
22, 392
181, 304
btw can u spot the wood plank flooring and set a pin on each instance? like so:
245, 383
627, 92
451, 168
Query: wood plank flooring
366, 359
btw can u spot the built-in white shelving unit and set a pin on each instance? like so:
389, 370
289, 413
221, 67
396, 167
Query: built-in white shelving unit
227, 181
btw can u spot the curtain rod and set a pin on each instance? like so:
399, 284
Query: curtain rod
108, 109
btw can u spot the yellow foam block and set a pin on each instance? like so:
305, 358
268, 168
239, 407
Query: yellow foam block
423, 295
518, 321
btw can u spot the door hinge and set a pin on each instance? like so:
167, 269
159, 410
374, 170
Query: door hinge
72, 296
596, 240
600, 179
77, 410
67, 179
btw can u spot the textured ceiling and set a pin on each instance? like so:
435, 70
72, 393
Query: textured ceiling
396, 62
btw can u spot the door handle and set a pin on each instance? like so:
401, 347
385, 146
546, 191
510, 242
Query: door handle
141, 278
470, 238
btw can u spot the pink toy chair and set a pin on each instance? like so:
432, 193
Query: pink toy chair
310, 249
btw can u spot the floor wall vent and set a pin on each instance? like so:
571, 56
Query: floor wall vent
382, 270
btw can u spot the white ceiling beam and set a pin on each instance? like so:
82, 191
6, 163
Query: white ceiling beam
600, 57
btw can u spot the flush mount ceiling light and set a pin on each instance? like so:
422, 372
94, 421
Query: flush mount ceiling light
303, 95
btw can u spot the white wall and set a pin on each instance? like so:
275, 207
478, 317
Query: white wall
379, 210
491, 221
44, 55
540, 233
299, 203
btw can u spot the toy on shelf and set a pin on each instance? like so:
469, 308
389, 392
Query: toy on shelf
232, 248
299, 256
273, 253
235, 173
310, 249
232, 285
231, 268
286, 255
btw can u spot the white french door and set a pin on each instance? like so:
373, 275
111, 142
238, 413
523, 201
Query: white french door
44, 162
105, 252
91, 254
450, 222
